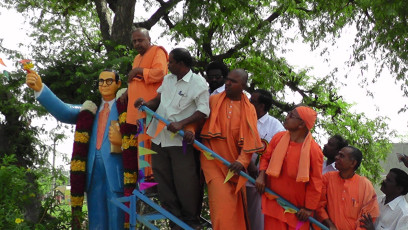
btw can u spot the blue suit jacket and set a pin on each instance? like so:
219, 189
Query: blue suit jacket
68, 113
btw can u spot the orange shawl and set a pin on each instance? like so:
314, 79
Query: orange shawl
308, 115
249, 139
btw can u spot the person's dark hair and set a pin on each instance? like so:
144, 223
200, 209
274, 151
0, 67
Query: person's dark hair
357, 155
113, 71
341, 142
182, 55
401, 179
218, 65
265, 98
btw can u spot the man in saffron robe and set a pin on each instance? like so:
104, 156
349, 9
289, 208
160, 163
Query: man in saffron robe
267, 126
231, 132
346, 196
292, 167
149, 69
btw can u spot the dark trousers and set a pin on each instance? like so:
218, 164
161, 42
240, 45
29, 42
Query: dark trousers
178, 181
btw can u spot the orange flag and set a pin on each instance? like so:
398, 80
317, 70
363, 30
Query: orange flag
160, 127
1, 62
241, 182
143, 137
140, 115
25, 61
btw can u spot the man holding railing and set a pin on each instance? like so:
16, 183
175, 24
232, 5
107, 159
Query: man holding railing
231, 132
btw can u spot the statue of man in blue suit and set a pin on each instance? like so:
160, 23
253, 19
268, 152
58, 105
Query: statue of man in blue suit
104, 171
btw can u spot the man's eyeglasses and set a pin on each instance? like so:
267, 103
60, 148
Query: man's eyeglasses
108, 81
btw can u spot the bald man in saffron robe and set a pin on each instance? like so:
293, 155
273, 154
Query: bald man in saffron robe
231, 132
292, 167
148, 70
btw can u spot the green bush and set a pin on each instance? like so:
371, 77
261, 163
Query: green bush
19, 196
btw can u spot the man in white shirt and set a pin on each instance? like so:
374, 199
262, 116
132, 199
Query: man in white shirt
182, 99
267, 126
331, 150
393, 206
216, 73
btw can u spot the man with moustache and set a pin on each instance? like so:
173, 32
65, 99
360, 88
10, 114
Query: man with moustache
393, 206
346, 196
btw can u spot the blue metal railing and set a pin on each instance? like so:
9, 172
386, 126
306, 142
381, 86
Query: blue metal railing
225, 162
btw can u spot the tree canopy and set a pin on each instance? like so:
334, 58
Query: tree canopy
74, 40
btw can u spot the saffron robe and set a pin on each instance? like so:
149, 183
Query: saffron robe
300, 194
154, 64
344, 201
230, 132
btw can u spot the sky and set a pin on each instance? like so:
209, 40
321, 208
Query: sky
386, 102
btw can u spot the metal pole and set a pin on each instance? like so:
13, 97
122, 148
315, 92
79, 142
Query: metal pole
225, 162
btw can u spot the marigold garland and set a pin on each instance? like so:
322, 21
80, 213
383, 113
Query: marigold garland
129, 153
80, 155
78, 162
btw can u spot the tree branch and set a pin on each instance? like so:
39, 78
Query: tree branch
207, 48
168, 22
245, 41
161, 12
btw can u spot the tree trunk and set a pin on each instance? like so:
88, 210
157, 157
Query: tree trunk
123, 21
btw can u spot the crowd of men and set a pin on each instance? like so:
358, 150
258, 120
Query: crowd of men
282, 157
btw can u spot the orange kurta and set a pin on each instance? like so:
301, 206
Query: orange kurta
227, 205
344, 201
154, 64
300, 194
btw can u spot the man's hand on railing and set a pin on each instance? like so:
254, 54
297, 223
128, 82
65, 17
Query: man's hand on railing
260, 182
188, 137
236, 167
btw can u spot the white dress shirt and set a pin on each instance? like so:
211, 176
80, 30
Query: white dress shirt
179, 100
267, 126
329, 168
218, 90
394, 215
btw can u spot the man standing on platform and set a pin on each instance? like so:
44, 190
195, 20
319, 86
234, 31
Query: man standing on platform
216, 73
292, 167
393, 206
149, 69
182, 99
346, 196
267, 126
330, 151
231, 132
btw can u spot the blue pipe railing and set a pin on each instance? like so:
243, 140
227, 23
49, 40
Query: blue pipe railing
225, 162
